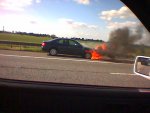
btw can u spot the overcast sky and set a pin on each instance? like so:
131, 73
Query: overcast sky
93, 19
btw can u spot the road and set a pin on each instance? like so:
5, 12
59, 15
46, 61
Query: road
34, 66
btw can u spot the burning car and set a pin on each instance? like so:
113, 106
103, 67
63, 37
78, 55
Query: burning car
66, 46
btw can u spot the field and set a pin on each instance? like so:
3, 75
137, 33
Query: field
22, 38
39, 40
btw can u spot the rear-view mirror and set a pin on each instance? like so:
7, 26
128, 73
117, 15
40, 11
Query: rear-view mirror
142, 66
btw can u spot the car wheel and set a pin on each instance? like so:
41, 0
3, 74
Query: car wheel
53, 52
88, 56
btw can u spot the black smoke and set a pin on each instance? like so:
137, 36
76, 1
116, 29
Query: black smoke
122, 40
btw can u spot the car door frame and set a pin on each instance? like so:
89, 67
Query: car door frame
62, 48
75, 49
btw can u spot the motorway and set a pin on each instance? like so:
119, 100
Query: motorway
34, 66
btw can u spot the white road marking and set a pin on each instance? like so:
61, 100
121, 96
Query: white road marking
20, 56
122, 74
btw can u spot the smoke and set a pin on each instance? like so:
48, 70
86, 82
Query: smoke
145, 40
123, 39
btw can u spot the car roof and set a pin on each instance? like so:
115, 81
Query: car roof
63, 39
60, 39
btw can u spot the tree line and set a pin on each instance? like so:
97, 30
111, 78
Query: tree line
50, 36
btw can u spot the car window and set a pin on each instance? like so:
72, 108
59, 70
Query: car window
111, 36
60, 41
73, 43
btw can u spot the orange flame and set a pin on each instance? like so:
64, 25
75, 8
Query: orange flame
96, 55
104, 46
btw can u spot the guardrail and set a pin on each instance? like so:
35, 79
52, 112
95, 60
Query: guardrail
19, 43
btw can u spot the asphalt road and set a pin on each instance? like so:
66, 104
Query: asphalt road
34, 66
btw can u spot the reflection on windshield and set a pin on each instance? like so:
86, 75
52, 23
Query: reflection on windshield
111, 36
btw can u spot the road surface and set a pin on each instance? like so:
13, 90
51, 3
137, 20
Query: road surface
34, 66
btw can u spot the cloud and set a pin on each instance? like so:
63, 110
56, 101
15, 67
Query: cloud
77, 29
16, 5
38, 1
33, 22
120, 18
116, 25
84, 2
122, 13
75, 24
62, 27
24, 23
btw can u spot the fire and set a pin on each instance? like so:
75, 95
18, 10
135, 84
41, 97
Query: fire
104, 47
95, 54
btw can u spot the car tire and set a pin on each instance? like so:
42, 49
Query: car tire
53, 52
87, 56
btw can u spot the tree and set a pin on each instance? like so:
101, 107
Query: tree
53, 36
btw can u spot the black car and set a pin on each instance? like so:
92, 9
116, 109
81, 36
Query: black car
66, 46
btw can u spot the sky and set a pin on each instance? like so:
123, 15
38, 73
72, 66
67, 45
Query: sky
92, 19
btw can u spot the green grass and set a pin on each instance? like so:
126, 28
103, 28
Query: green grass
39, 40
22, 38
20, 48
145, 51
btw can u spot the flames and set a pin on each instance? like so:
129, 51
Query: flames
96, 55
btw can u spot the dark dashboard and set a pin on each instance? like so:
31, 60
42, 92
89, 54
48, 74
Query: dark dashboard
23, 97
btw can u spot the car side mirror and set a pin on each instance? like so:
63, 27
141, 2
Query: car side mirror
142, 66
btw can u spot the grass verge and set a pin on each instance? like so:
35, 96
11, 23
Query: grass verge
20, 48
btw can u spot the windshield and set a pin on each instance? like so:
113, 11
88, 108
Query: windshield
112, 34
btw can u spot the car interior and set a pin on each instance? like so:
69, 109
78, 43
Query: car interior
21, 96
